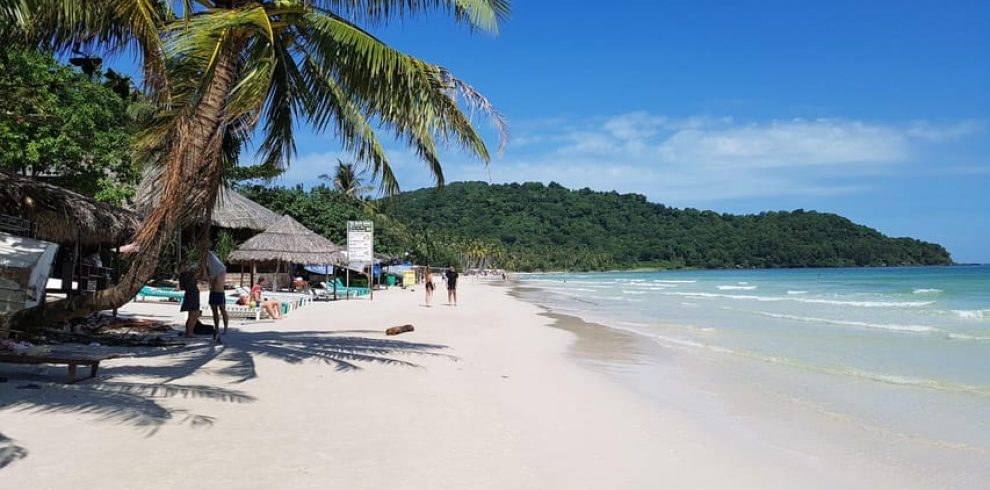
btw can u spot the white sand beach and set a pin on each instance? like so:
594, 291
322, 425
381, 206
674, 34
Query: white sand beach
482, 395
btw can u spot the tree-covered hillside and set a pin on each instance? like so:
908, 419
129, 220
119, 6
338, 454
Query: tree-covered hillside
550, 227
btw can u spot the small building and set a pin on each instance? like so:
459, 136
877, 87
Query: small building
24, 267
81, 226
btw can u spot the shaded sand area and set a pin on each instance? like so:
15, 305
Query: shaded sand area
482, 395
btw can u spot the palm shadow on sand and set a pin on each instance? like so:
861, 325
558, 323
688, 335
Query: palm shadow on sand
9, 451
139, 403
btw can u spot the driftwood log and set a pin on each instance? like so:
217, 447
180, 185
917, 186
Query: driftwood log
399, 329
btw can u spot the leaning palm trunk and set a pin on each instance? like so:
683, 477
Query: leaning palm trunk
218, 67
189, 189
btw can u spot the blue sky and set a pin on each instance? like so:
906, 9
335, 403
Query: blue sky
879, 110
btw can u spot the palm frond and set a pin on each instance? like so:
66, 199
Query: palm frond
481, 14
332, 103
113, 26
409, 96
286, 96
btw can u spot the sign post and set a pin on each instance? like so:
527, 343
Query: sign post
360, 248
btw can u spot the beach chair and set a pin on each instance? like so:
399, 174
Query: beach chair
151, 292
288, 303
239, 311
352, 291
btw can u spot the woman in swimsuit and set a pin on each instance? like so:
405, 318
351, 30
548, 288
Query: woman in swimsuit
429, 286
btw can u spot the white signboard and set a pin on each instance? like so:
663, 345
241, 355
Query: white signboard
360, 237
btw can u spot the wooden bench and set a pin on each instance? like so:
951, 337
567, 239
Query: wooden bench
71, 358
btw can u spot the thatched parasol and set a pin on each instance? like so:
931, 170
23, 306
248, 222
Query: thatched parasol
63, 216
287, 241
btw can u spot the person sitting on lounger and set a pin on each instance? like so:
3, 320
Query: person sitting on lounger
271, 306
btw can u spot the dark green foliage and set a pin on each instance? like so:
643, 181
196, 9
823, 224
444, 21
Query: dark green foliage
62, 125
551, 228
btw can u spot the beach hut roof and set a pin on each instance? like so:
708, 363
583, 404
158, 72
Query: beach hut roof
64, 216
287, 241
234, 211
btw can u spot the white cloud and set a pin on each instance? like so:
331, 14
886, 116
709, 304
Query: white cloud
938, 134
307, 168
684, 161
786, 144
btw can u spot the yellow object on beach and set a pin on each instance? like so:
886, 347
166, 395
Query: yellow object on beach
409, 278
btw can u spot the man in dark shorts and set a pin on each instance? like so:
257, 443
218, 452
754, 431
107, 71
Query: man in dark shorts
218, 300
451, 276
190, 301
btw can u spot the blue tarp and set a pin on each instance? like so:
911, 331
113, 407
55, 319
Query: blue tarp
322, 269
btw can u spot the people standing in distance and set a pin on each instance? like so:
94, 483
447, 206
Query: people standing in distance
428, 277
451, 276
190, 301
218, 301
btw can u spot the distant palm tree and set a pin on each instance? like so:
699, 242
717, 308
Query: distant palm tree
348, 180
219, 68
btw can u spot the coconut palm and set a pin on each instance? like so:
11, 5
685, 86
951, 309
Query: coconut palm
348, 180
222, 71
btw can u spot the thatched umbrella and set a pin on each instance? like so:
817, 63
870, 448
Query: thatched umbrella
63, 216
287, 241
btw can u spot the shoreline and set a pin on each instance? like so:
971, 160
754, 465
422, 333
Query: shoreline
482, 395
744, 398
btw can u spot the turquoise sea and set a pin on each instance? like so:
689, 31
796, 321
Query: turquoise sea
900, 353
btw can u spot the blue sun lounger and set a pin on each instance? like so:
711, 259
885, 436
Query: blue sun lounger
151, 292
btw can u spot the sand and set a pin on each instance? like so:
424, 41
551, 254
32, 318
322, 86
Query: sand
482, 395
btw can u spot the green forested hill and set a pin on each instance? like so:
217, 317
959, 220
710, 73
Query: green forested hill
536, 226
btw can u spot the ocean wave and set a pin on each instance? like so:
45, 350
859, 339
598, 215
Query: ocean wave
925, 383
864, 304
971, 314
851, 323
627, 291
730, 288
927, 291
621, 298
964, 336
667, 281
796, 292
848, 371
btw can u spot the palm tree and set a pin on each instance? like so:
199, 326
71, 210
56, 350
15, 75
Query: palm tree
219, 69
348, 180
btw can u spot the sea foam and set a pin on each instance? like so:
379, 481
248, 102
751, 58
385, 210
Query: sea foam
850, 323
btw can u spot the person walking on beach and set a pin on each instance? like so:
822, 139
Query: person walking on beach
451, 276
218, 301
428, 277
190, 300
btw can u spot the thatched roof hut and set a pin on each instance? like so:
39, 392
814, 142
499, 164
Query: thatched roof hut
236, 212
287, 241
232, 210
63, 216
